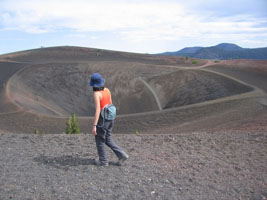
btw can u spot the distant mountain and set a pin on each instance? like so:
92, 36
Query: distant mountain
187, 50
229, 47
223, 51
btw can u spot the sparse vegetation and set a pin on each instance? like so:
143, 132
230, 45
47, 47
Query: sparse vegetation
216, 61
194, 62
68, 126
186, 57
72, 125
36, 131
137, 132
75, 124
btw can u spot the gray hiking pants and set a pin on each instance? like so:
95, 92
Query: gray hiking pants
103, 137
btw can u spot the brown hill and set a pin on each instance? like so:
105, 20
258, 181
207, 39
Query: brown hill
41, 87
199, 130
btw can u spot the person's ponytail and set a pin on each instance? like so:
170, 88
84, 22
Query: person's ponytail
98, 88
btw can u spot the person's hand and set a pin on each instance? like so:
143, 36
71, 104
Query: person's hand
94, 131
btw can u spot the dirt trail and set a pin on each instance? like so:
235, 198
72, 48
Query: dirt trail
153, 92
27, 101
210, 63
235, 79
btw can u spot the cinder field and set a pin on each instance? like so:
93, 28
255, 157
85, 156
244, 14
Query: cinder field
193, 131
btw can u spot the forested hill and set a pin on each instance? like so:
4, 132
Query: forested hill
223, 51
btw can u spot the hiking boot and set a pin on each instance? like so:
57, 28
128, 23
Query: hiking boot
122, 160
99, 163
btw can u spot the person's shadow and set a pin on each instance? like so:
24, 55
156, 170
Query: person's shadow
65, 161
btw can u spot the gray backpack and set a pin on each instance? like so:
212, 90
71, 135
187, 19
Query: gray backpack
108, 112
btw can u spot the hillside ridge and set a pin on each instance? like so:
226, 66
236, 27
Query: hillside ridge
223, 51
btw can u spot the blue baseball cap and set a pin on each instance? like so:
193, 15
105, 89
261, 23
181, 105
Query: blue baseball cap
97, 80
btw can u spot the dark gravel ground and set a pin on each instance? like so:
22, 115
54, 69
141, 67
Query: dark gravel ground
197, 165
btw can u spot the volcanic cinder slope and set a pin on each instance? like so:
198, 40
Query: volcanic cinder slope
199, 129
41, 88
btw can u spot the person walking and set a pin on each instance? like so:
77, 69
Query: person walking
102, 129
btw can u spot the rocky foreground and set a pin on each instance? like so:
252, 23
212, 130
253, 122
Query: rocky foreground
197, 165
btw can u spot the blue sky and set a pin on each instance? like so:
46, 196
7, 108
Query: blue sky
150, 26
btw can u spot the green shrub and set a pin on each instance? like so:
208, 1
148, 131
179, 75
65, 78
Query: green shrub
194, 62
186, 57
72, 125
216, 61
68, 126
75, 124
36, 131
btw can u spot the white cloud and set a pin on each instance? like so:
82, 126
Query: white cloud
137, 21
86, 15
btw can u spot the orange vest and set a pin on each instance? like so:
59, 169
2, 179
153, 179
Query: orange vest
106, 98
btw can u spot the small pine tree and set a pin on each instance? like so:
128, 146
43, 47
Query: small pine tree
72, 125
194, 62
36, 131
75, 124
68, 126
